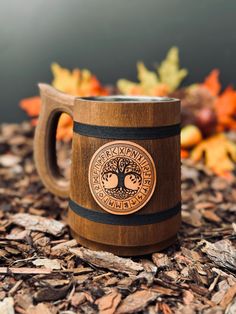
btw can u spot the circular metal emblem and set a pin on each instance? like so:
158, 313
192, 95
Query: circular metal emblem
122, 177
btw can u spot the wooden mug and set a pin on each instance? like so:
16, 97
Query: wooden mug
125, 184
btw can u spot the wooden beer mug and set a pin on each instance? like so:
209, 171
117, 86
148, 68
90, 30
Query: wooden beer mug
125, 184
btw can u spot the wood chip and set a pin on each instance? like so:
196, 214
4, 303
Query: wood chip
107, 260
78, 298
222, 253
47, 263
9, 160
161, 260
211, 215
188, 297
108, 303
228, 297
149, 266
187, 280
164, 291
40, 308
7, 306
65, 245
136, 301
51, 293
24, 270
231, 308
37, 223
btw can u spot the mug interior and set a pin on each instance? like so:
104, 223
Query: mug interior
121, 98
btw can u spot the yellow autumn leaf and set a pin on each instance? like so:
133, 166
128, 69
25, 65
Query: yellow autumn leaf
218, 152
78, 82
169, 70
160, 83
65, 80
147, 78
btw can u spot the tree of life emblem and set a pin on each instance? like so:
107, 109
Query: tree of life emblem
122, 177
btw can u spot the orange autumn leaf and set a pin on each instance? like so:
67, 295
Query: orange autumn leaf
31, 105
212, 83
184, 153
219, 154
225, 107
64, 128
76, 82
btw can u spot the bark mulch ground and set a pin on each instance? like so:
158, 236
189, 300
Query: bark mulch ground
43, 270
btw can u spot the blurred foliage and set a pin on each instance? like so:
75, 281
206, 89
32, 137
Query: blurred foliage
166, 79
206, 110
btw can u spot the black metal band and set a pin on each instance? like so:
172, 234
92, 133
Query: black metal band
126, 220
125, 133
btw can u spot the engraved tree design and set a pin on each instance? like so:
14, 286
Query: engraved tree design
121, 177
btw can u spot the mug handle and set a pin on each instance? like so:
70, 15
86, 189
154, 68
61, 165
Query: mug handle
53, 104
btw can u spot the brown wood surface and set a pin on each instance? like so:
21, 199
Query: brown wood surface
53, 104
127, 114
166, 156
124, 240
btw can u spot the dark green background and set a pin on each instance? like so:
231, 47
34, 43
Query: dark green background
108, 37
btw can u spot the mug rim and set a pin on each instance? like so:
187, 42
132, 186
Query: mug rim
128, 99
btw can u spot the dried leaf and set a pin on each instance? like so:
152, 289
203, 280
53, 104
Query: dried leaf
7, 306
219, 152
108, 303
107, 260
37, 223
137, 301
222, 253
47, 263
212, 83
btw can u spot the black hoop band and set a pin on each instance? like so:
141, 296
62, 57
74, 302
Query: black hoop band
126, 220
124, 133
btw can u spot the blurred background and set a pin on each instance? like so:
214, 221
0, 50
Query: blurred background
109, 37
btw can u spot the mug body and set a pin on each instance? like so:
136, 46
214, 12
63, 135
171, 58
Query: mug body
125, 177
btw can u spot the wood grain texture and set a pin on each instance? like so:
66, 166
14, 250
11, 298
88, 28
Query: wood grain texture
53, 104
166, 156
165, 152
127, 114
